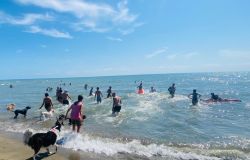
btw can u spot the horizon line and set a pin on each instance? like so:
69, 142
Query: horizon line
139, 74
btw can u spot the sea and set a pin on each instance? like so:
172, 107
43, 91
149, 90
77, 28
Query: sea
149, 126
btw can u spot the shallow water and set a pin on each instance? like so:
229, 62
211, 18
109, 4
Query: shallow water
150, 126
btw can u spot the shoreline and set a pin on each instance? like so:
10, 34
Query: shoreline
12, 148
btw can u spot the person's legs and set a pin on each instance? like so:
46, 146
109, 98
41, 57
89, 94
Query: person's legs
74, 127
78, 129
79, 123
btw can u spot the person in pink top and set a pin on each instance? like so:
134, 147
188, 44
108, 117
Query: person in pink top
76, 113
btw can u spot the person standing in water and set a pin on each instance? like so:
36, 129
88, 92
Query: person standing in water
195, 97
91, 91
98, 95
86, 86
140, 86
116, 104
47, 103
171, 90
109, 91
77, 115
65, 97
152, 90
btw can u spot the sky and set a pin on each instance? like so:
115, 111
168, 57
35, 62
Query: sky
82, 38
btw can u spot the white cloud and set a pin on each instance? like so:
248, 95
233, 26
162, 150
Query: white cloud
49, 32
96, 17
130, 29
123, 15
90, 26
190, 54
114, 39
78, 8
172, 56
182, 55
156, 53
26, 19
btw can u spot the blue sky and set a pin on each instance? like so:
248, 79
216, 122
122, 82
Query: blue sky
78, 38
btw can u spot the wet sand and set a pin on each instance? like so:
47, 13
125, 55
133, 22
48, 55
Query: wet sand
12, 149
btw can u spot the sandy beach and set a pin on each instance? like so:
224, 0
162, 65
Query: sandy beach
12, 149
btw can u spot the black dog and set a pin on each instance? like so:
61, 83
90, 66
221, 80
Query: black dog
21, 111
39, 140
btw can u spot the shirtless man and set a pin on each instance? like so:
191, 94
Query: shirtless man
116, 104
47, 103
98, 95
65, 97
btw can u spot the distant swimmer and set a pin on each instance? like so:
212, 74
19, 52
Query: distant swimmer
91, 91
11, 86
140, 89
171, 90
195, 97
140, 86
109, 91
47, 103
98, 95
65, 97
116, 104
86, 86
49, 89
59, 93
152, 90
215, 97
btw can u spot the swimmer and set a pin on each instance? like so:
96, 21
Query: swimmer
171, 90
116, 104
195, 97
98, 95
109, 91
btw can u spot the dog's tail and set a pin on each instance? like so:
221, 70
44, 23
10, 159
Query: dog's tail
26, 136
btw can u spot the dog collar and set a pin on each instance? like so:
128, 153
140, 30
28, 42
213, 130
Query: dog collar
54, 130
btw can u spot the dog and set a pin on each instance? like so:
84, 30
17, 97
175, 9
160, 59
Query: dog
39, 140
21, 111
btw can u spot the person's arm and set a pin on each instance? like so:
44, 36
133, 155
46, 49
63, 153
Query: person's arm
113, 102
69, 97
101, 93
81, 111
199, 95
42, 104
68, 111
95, 95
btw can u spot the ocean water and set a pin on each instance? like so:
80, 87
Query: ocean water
149, 126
